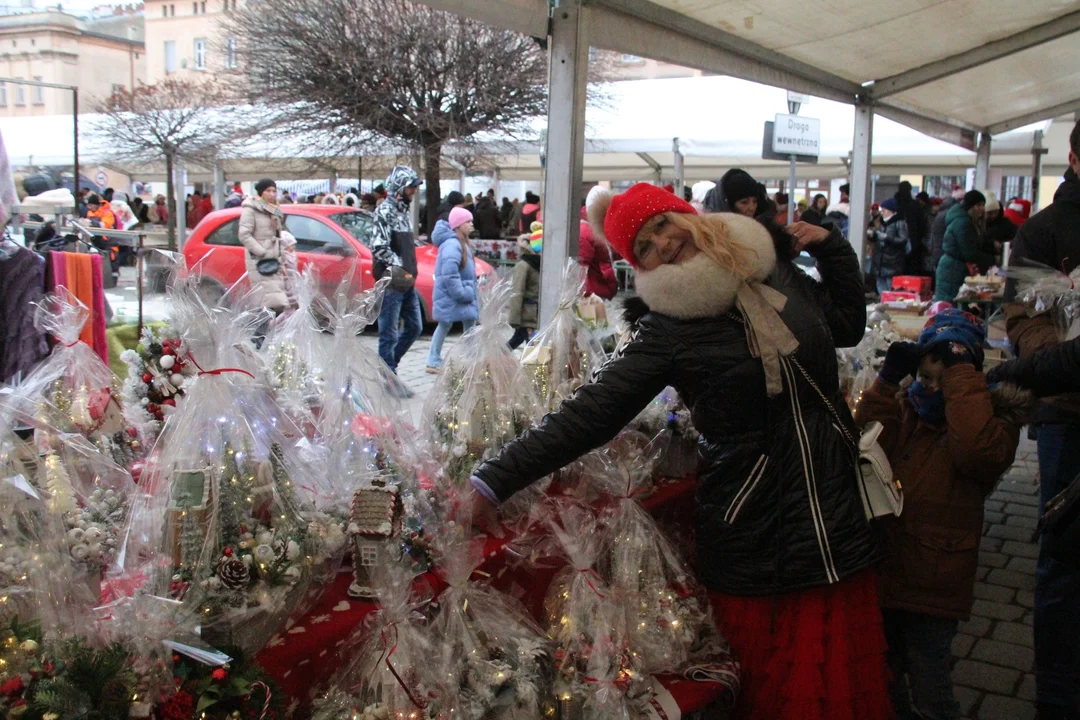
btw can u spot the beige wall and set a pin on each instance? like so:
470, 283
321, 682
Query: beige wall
53, 47
183, 22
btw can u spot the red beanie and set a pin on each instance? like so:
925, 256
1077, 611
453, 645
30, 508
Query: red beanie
630, 210
670, 188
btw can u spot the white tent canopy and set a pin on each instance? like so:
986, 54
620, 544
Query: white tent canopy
718, 120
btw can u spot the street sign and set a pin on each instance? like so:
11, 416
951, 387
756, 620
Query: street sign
767, 149
796, 135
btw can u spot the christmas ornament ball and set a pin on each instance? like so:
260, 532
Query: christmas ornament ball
167, 361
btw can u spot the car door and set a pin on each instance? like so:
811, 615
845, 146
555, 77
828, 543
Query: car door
327, 247
357, 226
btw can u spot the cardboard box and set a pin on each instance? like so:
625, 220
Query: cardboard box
912, 283
890, 296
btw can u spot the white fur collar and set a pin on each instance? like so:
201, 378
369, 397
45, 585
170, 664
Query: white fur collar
700, 287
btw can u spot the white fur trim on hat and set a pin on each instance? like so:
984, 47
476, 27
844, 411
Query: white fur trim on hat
596, 206
699, 287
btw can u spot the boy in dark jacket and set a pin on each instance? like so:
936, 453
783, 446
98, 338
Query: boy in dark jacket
949, 439
525, 302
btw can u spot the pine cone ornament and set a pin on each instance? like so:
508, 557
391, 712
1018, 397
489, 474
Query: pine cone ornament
234, 573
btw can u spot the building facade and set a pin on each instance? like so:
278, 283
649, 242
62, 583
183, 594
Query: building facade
183, 38
97, 56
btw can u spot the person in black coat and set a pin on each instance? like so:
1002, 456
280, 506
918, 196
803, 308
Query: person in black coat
779, 519
815, 214
911, 212
486, 220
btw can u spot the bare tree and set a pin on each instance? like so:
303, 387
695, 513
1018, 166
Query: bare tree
171, 120
390, 68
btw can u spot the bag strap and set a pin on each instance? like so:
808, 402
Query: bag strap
832, 410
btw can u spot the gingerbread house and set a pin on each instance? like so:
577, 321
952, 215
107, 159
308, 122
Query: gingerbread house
375, 525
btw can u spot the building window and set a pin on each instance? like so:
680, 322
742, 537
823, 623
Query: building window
200, 53
170, 56
39, 92
20, 93
3, 94
33, 42
230, 53
164, 11
172, 11
194, 8
202, 7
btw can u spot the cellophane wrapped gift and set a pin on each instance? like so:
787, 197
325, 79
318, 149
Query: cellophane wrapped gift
157, 372
492, 657
218, 520
666, 420
38, 583
388, 670
87, 493
583, 616
668, 619
859, 366
482, 398
561, 357
295, 352
1049, 290
80, 393
141, 623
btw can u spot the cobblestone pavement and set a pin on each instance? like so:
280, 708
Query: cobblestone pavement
994, 656
994, 650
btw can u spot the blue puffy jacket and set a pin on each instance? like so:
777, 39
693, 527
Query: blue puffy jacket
454, 295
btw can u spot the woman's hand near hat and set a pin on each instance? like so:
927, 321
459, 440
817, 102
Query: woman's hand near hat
806, 234
901, 360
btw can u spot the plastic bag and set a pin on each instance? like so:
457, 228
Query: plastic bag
562, 356
73, 389
859, 366
388, 670
1048, 290
37, 581
482, 399
669, 614
218, 518
583, 616
296, 353
666, 421
491, 656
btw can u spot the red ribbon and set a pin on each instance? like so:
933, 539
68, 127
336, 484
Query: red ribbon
393, 670
589, 573
73, 344
218, 371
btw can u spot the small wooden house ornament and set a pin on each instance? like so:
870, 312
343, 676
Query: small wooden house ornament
375, 524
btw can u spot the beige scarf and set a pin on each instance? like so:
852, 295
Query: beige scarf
767, 335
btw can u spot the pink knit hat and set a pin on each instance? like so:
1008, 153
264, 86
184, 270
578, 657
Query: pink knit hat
458, 217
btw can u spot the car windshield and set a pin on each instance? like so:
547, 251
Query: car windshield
357, 224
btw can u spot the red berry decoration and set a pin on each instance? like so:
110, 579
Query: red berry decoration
169, 401
147, 377
153, 407
132, 432
227, 552
219, 674
168, 351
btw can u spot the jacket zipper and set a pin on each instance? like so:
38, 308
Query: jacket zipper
748, 487
831, 574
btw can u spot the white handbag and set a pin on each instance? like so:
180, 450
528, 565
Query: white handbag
881, 493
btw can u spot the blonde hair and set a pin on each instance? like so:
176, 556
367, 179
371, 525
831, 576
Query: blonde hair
710, 234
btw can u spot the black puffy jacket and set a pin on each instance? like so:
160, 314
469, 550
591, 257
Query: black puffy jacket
778, 508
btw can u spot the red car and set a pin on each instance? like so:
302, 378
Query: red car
332, 237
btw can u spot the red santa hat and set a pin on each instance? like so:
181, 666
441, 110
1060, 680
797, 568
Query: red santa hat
1018, 211
619, 218
670, 188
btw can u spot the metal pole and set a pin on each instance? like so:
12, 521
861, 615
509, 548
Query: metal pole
791, 190
564, 152
179, 189
860, 178
140, 259
680, 171
1037, 153
75, 125
219, 185
982, 162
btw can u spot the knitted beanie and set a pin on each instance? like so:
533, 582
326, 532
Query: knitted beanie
458, 217
628, 212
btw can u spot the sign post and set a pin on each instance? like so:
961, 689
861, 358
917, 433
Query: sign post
794, 135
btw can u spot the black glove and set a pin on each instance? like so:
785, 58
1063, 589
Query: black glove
1000, 373
901, 360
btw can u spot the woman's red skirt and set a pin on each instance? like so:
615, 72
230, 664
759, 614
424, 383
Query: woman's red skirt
816, 654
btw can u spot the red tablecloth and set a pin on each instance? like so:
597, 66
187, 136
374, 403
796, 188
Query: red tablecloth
308, 650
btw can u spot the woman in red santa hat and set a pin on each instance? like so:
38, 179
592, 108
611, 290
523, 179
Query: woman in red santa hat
749, 342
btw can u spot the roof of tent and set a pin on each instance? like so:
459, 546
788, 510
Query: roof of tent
950, 68
719, 123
